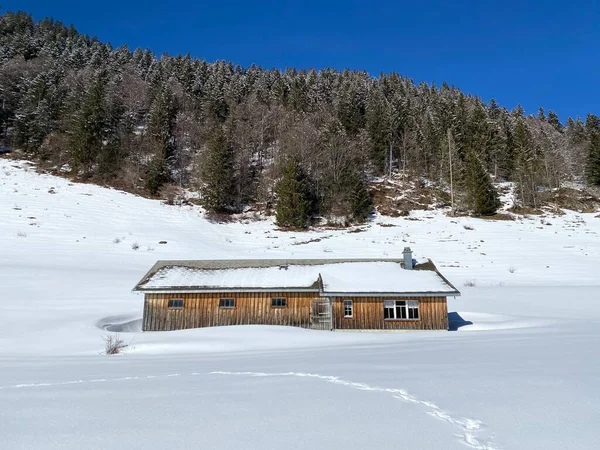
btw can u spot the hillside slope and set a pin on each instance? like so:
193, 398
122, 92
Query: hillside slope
132, 120
518, 373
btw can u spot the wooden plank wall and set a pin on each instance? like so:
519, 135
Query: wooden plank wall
368, 314
202, 310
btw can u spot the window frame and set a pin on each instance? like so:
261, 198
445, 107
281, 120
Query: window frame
224, 303
412, 308
171, 302
346, 308
281, 300
406, 307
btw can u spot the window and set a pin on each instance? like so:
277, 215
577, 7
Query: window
278, 302
175, 304
347, 308
413, 309
388, 309
401, 309
227, 303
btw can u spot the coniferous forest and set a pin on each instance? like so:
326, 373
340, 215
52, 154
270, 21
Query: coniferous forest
306, 141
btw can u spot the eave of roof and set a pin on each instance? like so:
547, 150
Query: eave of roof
316, 291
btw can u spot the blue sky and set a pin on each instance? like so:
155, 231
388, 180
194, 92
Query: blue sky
537, 53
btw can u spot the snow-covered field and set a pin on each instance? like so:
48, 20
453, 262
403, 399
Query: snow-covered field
521, 371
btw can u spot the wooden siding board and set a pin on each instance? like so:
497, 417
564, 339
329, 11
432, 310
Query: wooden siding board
202, 310
368, 314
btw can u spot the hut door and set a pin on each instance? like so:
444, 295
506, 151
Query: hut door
321, 315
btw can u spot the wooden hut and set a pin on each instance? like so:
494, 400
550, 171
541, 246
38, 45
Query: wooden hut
326, 294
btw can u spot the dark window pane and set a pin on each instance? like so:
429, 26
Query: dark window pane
416, 313
175, 303
227, 303
386, 313
403, 312
279, 302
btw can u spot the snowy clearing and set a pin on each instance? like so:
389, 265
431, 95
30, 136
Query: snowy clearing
521, 370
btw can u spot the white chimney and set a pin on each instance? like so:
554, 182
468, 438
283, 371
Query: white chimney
408, 259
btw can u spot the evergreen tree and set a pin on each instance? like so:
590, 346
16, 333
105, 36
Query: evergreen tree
592, 124
86, 136
518, 112
593, 160
161, 122
526, 163
351, 106
156, 176
294, 207
553, 120
161, 131
113, 153
378, 126
494, 109
482, 197
541, 114
217, 174
361, 203
39, 110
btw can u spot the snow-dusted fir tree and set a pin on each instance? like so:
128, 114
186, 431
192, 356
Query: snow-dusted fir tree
161, 134
554, 121
361, 202
88, 126
294, 205
217, 173
592, 124
482, 196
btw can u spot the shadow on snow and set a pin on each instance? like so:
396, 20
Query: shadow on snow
455, 321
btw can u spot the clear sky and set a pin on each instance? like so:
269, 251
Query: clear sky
537, 53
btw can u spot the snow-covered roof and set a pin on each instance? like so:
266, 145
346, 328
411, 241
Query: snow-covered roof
327, 277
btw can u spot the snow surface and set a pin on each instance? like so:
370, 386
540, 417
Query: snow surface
383, 277
521, 371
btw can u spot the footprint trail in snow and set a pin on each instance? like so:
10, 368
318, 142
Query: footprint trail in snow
468, 428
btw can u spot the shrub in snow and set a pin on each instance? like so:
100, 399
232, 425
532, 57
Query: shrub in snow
113, 345
21, 234
117, 240
172, 195
470, 283
135, 246
511, 269
468, 227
